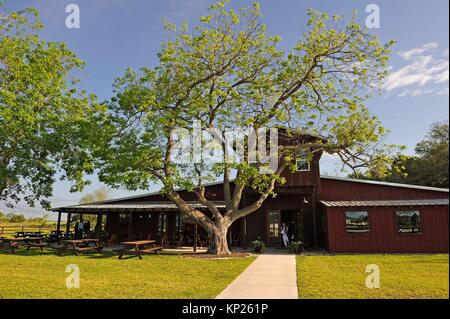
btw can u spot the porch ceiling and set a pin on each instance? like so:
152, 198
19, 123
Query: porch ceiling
131, 207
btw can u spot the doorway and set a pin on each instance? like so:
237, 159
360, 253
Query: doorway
293, 219
273, 227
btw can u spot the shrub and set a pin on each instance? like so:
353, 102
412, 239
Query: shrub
296, 247
15, 218
258, 245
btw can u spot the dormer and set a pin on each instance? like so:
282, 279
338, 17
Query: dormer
307, 172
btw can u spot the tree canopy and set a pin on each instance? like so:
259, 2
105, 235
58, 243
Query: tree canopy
227, 72
429, 166
45, 119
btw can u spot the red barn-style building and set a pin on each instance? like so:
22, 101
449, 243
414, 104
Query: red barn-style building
341, 215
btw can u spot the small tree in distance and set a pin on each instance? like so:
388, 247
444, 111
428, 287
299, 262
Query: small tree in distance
98, 195
229, 73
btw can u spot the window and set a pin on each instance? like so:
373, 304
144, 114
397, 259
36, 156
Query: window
357, 222
162, 224
302, 162
408, 222
274, 223
123, 218
178, 229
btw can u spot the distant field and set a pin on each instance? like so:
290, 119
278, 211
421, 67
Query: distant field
43, 275
401, 276
9, 229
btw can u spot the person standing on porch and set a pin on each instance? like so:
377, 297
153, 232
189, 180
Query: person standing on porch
76, 230
81, 229
284, 234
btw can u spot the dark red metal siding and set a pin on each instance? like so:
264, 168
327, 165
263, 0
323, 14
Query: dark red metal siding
307, 178
384, 237
347, 190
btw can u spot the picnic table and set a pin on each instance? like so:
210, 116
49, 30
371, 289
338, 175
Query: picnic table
138, 248
79, 246
57, 236
22, 234
32, 242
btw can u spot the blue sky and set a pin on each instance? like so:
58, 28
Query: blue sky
117, 34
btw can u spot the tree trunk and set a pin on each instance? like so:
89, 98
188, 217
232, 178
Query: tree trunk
219, 243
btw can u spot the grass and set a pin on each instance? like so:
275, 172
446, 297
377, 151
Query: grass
42, 275
401, 276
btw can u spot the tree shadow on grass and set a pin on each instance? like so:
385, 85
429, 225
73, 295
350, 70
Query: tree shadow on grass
24, 252
52, 252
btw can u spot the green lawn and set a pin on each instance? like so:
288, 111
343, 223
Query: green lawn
42, 275
401, 276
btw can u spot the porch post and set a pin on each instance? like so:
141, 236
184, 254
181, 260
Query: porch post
58, 225
98, 225
195, 238
69, 217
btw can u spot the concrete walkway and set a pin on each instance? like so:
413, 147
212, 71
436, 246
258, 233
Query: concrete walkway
270, 276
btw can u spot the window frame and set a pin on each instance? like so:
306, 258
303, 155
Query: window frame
304, 157
278, 227
397, 225
163, 224
124, 218
298, 159
352, 233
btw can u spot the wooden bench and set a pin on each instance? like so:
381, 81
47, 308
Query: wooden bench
80, 246
12, 244
138, 248
36, 245
155, 250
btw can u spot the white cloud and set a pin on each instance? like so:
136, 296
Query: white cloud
416, 51
443, 91
423, 74
415, 92
420, 92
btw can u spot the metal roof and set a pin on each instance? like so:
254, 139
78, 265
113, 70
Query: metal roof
368, 203
115, 200
346, 179
150, 206
445, 190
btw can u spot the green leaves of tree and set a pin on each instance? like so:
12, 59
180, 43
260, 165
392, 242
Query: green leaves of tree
45, 121
228, 72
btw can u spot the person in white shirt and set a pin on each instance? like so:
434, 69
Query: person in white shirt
284, 234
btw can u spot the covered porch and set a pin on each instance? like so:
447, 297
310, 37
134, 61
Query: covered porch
118, 222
